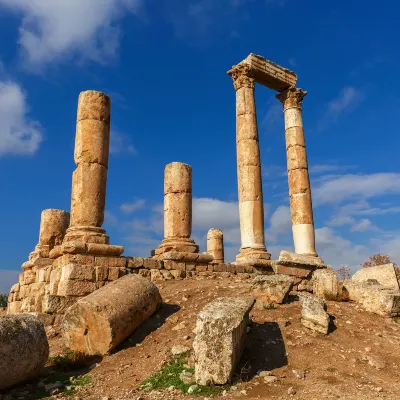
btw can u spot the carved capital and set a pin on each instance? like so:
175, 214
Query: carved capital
241, 75
292, 97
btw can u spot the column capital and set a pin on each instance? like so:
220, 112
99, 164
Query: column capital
292, 97
241, 75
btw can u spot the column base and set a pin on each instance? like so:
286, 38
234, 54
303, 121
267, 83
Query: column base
249, 253
186, 245
86, 234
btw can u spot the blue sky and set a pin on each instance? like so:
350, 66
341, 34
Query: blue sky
164, 65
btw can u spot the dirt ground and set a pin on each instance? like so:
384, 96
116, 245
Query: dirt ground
359, 359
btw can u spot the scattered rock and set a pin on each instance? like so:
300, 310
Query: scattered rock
192, 389
299, 374
186, 377
313, 312
291, 391
325, 284
270, 379
384, 274
179, 327
179, 350
271, 289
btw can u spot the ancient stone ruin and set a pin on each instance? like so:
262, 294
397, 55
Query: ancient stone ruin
79, 284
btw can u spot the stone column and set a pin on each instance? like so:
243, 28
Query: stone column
215, 245
53, 225
251, 205
90, 177
177, 209
299, 181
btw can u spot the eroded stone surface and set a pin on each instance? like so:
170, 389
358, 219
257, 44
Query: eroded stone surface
384, 274
325, 284
215, 245
313, 313
271, 289
220, 334
100, 321
23, 348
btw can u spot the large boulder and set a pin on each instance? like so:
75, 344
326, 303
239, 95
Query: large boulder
271, 289
384, 274
219, 341
100, 321
313, 313
325, 284
24, 348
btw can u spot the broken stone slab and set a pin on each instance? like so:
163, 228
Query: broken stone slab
325, 284
220, 335
271, 289
287, 257
373, 297
24, 348
100, 321
384, 274
313, 313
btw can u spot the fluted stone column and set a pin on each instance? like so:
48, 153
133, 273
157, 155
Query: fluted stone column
90, 177
299, 181
215, 245
53, 225
177, 209
251, 205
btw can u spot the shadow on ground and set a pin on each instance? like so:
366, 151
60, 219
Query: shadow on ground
264, 350
150, 325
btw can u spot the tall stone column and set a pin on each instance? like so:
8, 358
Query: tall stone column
53, 225
177, 209
251, 205
90, 177
299, 181
215, 245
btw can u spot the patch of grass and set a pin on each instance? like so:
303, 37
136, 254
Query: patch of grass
330, 369
168, 376
269, 306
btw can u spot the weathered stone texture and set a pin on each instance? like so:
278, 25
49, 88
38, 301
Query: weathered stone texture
23, 349
220, 334
325, 284
100, 321
271, 289
384, 274
215, 245
313, 313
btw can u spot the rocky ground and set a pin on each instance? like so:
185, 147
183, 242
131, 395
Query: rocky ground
359, 359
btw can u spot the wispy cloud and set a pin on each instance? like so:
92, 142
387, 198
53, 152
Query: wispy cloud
52, 31
324, 168
363, 226
121, 143
129, 208
18, 133
348, 99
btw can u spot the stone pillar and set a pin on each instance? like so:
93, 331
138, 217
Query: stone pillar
299, 181
177, 209
90, 177
251, 205
53, 225
215, 245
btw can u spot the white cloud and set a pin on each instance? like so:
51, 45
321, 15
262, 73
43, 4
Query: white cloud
18, 134
338, 188
363, 226
120, 143
323, 168
280, 223
7, 279
52, 30
129, 208
348, 99
341, 220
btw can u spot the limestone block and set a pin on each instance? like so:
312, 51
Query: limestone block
286, 257
325, 284
301, 208
57, 304
92, 142
75, 288
53, 225
80, 259
177, 178
115, 273
220, 334
104, 249
29, 277
88, 195
101, 274
177, 274
145, 273
41, 262
41, 275
94, 105
248, 152
297, 271
296, 158
373, 297
271, 289
155, 275
313, 313
23, 349
74, 247
174, 255
294, 136
384, 274
15, 288
79, 272
150, 263
14, 307
215, 245
249, 183
110, 262
166, 274
100, 321
134, 262
21, 279
175, 265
